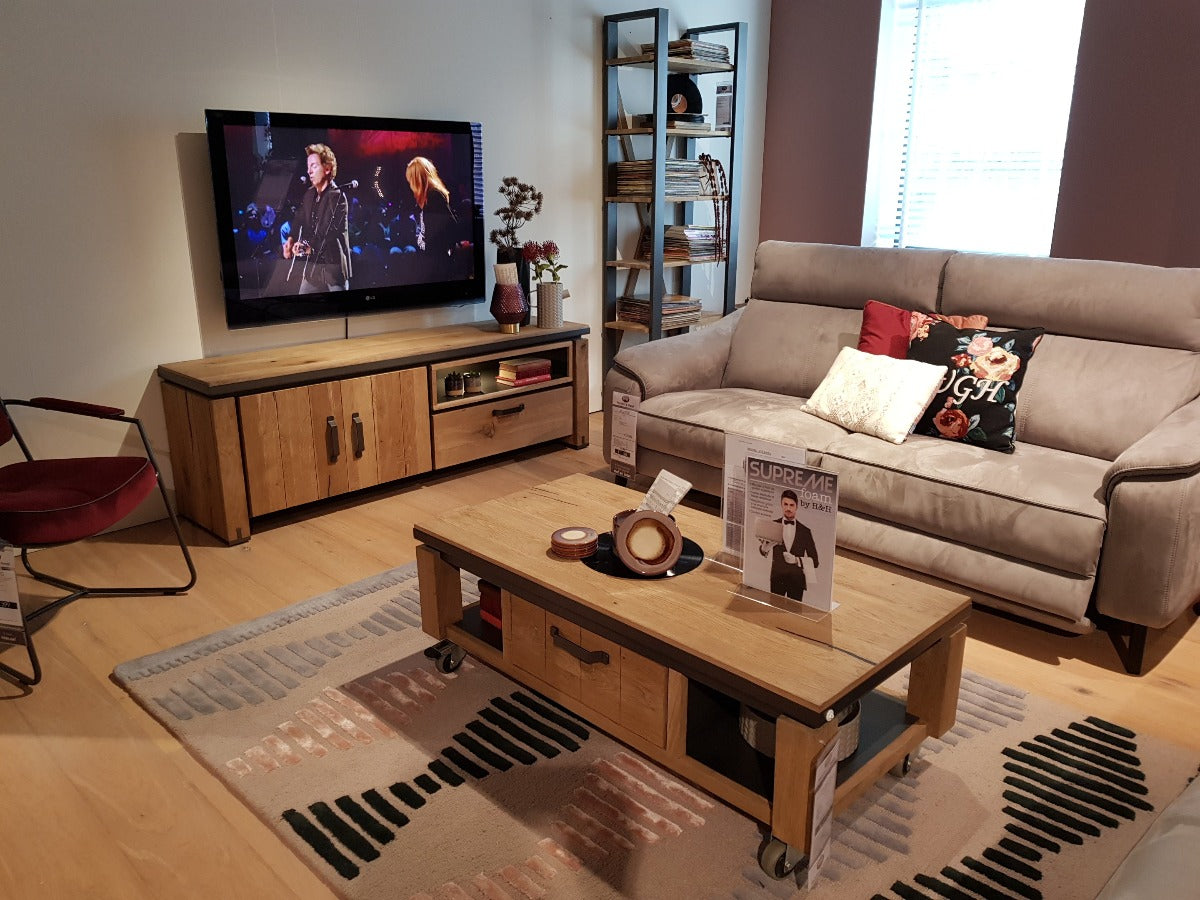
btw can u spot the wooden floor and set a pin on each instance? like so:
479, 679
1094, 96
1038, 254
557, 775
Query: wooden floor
98, 801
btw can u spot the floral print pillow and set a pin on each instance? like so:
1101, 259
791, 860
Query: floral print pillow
976, 403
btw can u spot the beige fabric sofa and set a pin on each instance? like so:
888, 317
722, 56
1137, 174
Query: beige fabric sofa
1094, 519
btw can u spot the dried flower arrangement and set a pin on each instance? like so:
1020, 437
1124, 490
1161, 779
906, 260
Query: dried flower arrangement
524, 201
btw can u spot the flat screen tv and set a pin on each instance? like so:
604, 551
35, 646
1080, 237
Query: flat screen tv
328, 216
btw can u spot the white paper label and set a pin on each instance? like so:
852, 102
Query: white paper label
622, 448
824, 785
666, 492
12, 622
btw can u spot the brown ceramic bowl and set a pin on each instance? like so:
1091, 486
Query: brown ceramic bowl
647, 542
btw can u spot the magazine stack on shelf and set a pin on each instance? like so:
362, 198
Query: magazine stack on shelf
688, 243
678, 311
523, 371
705, 51
684, 177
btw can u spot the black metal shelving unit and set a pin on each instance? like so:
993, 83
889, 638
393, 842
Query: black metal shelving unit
656, 210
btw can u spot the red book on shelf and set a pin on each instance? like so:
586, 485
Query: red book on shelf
489, 604
521, 382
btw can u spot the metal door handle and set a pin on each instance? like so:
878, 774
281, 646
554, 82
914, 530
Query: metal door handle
332, 444
357, 441
511, 411
580, 653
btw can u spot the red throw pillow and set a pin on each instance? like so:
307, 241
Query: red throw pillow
885, 330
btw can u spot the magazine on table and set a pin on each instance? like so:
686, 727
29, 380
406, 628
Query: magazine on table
738, 447
789, 530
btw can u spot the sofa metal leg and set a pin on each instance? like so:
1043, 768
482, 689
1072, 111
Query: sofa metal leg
1130, 643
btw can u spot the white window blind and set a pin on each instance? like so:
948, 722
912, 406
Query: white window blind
971, 106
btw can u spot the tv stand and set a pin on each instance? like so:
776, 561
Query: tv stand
255, 433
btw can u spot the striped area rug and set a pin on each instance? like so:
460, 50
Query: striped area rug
392, 780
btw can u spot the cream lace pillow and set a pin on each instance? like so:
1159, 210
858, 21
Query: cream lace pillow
875, 395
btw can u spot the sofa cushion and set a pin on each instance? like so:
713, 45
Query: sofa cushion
885, 329
787, 348
693, 423
838, 275
1040, 505
874, 394
1110, 301
977, 401
1100, 397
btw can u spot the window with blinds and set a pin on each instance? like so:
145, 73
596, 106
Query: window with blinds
972, 99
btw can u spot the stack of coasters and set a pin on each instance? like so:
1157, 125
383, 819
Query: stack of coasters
574, 542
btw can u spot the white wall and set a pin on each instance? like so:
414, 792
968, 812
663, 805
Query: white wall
110, 263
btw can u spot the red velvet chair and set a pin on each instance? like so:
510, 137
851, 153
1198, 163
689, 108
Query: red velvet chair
49, 502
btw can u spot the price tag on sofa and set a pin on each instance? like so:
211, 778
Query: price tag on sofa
622, 447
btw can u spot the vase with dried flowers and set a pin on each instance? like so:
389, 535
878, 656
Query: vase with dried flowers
544, 257
521, 203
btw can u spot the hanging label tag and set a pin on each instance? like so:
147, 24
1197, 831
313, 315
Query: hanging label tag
12, 621
622, 448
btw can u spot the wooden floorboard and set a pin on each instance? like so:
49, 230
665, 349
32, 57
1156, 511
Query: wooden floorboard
99, 801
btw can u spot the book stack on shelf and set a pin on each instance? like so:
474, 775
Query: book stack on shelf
688, 243
523, 371
678, 311
704, 51
684, 177
698, 123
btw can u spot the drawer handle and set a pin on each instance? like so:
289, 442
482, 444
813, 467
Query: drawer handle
580, 653
511, 411
356, 436
332, 444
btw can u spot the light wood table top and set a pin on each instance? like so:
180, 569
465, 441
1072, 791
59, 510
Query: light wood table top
800, 665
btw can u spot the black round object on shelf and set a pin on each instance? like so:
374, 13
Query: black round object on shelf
683, 96
606, 561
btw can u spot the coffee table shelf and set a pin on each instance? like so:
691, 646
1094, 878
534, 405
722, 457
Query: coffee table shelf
715, 740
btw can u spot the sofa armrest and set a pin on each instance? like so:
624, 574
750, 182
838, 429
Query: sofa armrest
1171, 448
684, 362
1150, 569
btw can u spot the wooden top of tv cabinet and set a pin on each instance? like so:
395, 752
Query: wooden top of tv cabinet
280, 367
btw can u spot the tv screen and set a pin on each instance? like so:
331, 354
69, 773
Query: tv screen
328, 216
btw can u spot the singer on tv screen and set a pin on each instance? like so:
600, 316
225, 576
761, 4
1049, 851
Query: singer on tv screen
334, 220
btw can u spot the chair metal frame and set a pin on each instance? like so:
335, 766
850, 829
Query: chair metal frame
75, 590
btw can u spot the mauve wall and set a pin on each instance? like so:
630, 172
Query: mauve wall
820, 86
1129, 189
1129, 186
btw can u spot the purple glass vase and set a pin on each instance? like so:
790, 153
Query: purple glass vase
509, 307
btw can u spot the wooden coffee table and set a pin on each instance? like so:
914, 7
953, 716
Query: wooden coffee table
665, 664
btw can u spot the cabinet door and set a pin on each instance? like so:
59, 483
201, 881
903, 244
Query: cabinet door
401, 407
278, 443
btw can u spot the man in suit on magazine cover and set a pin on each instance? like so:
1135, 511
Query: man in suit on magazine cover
787, 569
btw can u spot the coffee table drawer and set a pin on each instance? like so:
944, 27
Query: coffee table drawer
509, 423
603, 676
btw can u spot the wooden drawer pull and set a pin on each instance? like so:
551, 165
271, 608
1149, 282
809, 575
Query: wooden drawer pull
511, 411
357, 440
332, 444
580, 653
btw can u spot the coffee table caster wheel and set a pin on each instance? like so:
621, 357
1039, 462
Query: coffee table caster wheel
450, 658
903, 767
778, 860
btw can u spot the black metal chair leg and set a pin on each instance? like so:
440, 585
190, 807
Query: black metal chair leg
21, 677
78, 590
